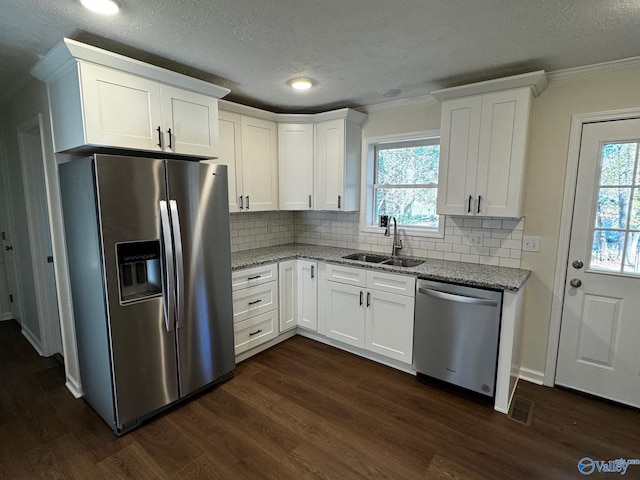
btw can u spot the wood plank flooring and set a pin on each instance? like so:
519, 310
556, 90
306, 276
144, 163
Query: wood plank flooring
303, 410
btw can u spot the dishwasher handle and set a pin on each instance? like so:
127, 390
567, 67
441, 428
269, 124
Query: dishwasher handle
457, 298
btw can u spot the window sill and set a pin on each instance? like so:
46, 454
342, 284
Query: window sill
414, 232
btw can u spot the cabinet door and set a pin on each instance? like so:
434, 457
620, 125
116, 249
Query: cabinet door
259, 164
502, 151
190, 122
459, 144
389, 325
295, 158
231, 155
287, 284
308, 294
329, 177
345, 313
120, 109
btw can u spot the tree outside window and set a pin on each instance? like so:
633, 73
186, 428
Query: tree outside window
406, 182
616, 235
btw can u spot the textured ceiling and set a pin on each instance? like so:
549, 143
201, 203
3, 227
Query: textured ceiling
355, 50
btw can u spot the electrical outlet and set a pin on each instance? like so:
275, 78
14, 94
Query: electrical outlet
530, 243
475, 239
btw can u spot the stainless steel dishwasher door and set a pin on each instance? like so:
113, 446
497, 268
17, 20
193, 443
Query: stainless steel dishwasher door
456, 334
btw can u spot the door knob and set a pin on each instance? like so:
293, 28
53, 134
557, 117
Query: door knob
575, 282
577, 264
8, 248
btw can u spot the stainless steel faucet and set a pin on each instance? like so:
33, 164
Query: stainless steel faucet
397, 243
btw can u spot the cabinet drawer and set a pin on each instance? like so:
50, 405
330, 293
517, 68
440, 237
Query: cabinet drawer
254, 276
253, 301
254, 331
348, 275
392, 283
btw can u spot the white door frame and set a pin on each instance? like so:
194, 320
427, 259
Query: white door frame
5, 213
36, 200
575, 138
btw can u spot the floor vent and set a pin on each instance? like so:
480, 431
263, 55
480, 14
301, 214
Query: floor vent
521, 410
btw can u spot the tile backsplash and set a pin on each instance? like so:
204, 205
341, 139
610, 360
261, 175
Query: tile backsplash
261, 229
501, 239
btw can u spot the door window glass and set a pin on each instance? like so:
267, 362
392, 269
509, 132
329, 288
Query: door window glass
615, 246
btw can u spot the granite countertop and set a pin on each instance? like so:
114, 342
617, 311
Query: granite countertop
484, 276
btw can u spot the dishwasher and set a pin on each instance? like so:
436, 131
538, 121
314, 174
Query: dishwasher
456, 334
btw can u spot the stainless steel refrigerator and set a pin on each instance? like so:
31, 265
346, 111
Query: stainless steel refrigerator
150, 269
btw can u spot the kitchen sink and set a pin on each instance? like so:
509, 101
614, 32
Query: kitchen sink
383, 260
402, 262
365, 257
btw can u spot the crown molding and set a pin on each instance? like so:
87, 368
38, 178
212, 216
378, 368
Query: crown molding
595, 69
405, 102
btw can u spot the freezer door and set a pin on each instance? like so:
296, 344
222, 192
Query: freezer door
143, 351
198, 200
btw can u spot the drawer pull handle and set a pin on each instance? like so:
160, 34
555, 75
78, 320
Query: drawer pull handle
255, 301
253, 278
251, 334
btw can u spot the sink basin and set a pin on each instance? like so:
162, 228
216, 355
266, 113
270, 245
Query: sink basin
382, 260
402, 262
364, 257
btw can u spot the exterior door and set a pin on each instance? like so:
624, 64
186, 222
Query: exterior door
598, 351
204, 325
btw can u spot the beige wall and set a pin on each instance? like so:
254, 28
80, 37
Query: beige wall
546, 166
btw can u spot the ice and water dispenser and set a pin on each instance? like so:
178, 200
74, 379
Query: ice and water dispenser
139, 270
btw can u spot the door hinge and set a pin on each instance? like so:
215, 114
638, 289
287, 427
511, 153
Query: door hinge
4, 236
10, 298
49, 259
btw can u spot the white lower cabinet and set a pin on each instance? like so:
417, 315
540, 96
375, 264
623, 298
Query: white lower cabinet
287, 273
308, 294
371, 310
345, 313
255, 331
389, 325
298, 294
255, 306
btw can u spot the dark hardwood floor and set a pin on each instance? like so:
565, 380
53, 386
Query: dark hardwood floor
303, 410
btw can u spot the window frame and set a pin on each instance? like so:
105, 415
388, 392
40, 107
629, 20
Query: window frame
369, 224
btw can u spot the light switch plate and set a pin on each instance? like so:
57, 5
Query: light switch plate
530, 243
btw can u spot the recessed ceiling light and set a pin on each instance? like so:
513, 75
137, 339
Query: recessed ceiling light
103, 7
301, 83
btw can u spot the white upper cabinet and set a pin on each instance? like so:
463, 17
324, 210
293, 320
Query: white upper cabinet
259, 164
337, 169
483, 145
291, 161
230, 155
295, 162
101, 99
190, 122
249, 148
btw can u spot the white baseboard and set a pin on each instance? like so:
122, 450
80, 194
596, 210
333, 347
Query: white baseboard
530, 375
73, 386
5, 316
26, 333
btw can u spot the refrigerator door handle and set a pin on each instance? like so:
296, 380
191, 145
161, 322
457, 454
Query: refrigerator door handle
169, 274
177, 242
